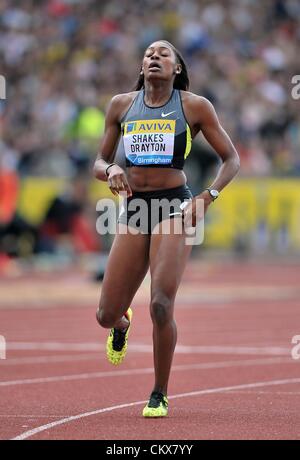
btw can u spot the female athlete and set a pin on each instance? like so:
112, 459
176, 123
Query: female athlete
157, 123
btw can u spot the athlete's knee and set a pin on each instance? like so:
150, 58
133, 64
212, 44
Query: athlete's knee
161, 309
105, 319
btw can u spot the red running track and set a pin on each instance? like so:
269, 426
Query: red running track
233, 374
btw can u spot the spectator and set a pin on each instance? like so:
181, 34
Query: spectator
66, 226
64, 59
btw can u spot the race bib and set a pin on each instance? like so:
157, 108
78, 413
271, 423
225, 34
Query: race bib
149, 142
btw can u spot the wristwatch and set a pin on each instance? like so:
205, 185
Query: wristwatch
111, 164
213, 193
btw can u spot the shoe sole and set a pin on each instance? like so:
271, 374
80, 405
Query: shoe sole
113, 356
156, 412
154, 415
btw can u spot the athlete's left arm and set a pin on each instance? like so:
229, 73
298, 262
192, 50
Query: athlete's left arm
217, 137
202, 117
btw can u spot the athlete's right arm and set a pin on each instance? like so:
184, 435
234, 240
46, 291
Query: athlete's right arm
116, 177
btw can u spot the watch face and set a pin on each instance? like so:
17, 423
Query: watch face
214, 193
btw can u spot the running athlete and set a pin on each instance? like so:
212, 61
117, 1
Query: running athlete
157, 123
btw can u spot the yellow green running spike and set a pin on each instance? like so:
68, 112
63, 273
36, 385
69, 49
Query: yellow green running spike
157, 405
116, 345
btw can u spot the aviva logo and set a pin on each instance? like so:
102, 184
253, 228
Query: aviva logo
130, 127
149, 126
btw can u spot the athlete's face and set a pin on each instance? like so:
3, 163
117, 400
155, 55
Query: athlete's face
160, 62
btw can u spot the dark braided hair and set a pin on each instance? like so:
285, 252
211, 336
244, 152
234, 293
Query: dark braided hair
181, 80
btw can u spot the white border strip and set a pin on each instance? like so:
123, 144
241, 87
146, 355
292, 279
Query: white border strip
145, 370
48, 426
148, 348
92, 355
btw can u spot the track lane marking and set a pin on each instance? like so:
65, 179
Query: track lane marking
267, 392
146, 370
148, 348
50, 359
32, 416
39, 429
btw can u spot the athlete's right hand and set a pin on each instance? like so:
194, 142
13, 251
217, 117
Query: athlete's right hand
117, 181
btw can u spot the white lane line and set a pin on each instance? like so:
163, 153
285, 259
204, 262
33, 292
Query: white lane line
147, 348
55, 346
50, 359
32, 416
146, 370
48, 426
293, 393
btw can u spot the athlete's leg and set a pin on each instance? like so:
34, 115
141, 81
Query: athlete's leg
168, 257
127, 266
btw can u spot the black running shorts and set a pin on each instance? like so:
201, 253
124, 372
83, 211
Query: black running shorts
144, 210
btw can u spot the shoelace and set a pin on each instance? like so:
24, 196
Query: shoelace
155, 399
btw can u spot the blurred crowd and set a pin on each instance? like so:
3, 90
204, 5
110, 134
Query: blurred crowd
64, 59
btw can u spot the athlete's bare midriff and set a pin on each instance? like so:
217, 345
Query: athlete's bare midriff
143, 179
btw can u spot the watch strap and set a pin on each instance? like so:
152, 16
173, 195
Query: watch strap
111, 164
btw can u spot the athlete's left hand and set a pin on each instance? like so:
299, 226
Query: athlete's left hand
197, 208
